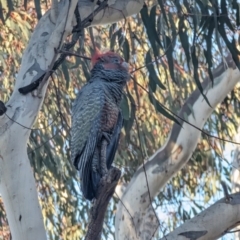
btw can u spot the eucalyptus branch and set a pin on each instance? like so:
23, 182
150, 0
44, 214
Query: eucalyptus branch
106, 190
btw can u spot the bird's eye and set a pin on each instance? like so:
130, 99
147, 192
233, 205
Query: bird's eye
116, 60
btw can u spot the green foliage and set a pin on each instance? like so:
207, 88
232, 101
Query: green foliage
171, 47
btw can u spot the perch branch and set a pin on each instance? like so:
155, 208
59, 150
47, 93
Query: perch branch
105, 192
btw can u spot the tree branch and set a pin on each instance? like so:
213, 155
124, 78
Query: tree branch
66, 47
212, 223
17, 183
169, 159
105, 192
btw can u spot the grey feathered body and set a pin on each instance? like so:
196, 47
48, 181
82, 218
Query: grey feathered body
95, 112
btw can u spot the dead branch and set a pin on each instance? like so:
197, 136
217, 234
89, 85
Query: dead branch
105, 192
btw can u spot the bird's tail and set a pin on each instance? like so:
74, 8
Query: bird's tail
90, 190
90, 176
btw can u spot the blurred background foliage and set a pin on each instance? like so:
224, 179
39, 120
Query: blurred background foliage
171, 46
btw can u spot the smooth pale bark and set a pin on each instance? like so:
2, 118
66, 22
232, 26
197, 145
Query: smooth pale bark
117, 10
211, 223
169, 159
235, 178
17, 184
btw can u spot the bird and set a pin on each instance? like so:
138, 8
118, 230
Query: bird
97, 120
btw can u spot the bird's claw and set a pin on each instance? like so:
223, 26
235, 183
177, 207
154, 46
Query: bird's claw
107, 136
104, 170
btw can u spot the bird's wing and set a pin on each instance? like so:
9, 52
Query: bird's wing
113, 145
86, 113
111, 151
88, 185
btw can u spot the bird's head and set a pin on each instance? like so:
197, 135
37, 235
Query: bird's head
111, 65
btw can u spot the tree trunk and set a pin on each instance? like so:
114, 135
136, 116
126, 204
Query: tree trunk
169, 159
235, 178
17, 184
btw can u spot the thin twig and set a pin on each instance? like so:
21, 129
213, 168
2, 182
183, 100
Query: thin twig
31, 128
233, 231
51, 138
177, 116
67, 53
153, 61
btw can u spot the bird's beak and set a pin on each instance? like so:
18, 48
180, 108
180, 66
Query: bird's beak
125, 65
